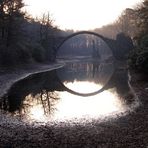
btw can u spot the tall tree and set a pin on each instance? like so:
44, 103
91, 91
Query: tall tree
47, 35
15, 18
11, 17
2, 18
143, 18
139, 57
127, 22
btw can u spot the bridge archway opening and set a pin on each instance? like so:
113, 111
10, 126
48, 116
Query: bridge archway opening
88, 61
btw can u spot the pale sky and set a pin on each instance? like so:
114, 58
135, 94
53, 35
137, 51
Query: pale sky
80, 14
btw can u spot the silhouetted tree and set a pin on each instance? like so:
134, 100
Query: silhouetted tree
11, 18
15, 18
126, 23
47, 36
139, 57
2, 18
142, 12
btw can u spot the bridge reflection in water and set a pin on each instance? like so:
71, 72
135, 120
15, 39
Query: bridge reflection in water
45, 99
72, 107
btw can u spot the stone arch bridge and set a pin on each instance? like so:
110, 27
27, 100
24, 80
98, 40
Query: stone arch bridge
120, 46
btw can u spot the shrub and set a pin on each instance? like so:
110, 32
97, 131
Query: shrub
132, 58
138, 58
144, 42
142, 61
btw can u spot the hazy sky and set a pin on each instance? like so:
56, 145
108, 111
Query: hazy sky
80, 14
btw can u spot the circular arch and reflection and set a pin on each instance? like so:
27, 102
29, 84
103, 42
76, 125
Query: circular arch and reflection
78, 33
87, 57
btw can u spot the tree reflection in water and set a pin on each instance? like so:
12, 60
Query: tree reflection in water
42, 95
35, 107
39, 106
36, 90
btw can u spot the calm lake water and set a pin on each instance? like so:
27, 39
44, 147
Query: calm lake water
69, 94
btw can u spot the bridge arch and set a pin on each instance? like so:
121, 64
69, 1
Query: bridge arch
82, 32
73, 35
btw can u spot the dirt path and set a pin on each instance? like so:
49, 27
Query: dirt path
12, 75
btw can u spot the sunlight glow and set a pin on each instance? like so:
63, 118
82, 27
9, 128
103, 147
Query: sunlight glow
71, 108
37, 113
83, 87
79, 14
74, 107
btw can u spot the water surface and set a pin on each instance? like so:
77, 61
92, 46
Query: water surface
45, 97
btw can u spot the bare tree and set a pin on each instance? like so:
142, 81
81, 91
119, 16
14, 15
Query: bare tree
47, 35
126, 23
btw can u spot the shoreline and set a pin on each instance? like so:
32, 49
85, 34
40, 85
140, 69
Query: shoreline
9, 77
128, 131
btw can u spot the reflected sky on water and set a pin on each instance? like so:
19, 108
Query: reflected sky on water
72, 108
45, 98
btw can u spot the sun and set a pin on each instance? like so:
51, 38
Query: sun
79, 14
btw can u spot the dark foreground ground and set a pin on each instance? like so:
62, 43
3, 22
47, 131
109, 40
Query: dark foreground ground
130, 131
